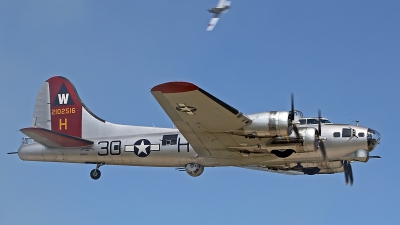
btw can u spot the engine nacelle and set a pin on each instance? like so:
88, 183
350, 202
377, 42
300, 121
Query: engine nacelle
310, 138
194, 169
269, 124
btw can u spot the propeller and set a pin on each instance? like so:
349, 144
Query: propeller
348, 172
295, 129
320, 142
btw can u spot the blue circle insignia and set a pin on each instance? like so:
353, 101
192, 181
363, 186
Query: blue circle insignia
142, 148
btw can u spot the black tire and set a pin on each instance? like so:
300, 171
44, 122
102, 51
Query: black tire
283, 154
95, 174
311, 170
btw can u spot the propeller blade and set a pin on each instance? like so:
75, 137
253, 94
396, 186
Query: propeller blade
322, 147
350, 171
374, 157
346, 175
321, 143
319, 122
296, 131
345, 170
292, 108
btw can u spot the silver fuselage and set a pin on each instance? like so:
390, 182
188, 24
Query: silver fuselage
120, 150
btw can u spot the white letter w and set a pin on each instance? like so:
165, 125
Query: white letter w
63, 98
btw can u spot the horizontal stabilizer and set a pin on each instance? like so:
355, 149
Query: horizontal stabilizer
54, 139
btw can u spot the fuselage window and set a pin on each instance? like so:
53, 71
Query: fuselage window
346, 132
336, 134
302, 121
170, 139
361, 134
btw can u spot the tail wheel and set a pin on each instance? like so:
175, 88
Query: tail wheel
95, 174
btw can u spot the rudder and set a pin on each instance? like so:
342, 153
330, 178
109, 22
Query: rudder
59, 108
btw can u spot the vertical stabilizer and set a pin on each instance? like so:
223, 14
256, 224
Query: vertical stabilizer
59, 108
65, 107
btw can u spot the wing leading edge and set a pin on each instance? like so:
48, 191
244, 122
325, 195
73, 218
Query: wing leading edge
202, 118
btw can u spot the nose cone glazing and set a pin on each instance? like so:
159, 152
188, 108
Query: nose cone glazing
373, 139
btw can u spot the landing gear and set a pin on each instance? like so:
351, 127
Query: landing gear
95, 173
194, 169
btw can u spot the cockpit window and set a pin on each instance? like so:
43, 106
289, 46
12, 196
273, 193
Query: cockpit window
312, 121
346, 132
361, 134
336, 134
325, 121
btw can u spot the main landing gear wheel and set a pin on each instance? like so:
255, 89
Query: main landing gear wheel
95, 174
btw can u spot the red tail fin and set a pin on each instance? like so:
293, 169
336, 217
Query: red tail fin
65, 107
58, 108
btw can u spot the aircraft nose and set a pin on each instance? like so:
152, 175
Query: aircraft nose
373, 139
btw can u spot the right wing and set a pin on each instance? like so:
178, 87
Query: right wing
202, 119
222, 3
213, 22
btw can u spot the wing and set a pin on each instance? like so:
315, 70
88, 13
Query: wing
201, 118
221, 3
213, 22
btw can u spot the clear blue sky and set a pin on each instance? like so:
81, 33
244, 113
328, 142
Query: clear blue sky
340, 56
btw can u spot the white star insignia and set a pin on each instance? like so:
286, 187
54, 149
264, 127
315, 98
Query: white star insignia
142, 148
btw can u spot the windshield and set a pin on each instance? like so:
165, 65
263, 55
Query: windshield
315, 121
325, 121
312, 121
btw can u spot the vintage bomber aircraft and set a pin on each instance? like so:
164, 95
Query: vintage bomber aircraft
210, 133
222, 7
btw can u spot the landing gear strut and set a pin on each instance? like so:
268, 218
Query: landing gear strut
95, 173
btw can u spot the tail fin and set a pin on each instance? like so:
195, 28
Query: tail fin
59, 108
